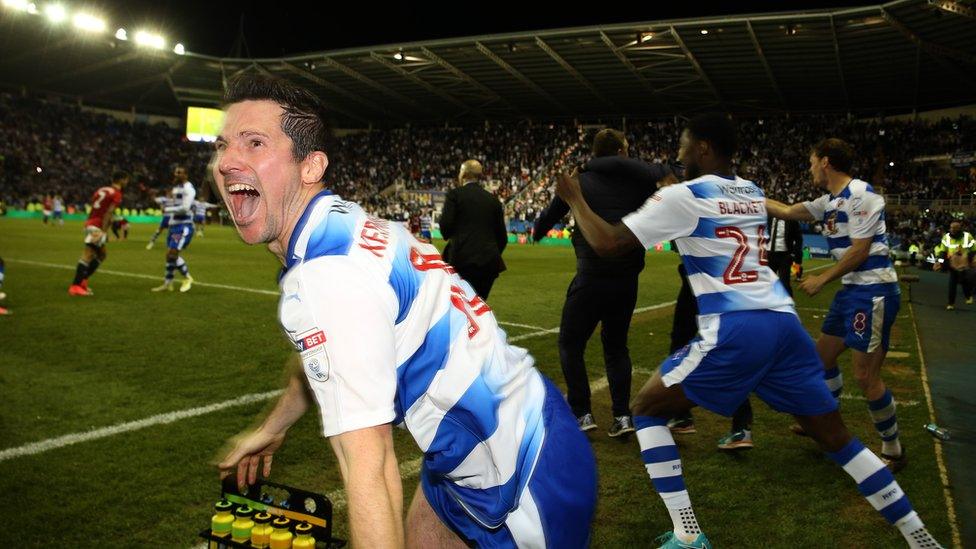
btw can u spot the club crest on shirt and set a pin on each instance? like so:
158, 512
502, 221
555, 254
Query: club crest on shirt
317, 368
830, 224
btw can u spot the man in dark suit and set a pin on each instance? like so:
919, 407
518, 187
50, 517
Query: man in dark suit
604, 289
473, 224
785, 248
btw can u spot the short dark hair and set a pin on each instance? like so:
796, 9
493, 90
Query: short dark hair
119, 175
839, 153
717, 129
608, 142
305, 120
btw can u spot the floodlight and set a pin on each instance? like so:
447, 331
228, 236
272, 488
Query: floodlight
398, 56
32, 8
121, 35
149, 39
88, 22
55, 13
704, 31
178, 49
20, 5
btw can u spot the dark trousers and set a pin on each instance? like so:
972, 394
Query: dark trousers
480, 278
960, 277
609, 301
780, 263
684, 327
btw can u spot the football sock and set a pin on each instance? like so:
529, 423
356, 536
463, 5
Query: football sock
170, 267
885, 421
92, 267
181, 265
660, 456
879, 487
81, 272
835, 381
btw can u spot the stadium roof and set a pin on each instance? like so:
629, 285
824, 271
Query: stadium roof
898, 56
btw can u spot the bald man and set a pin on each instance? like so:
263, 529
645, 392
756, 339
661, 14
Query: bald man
473, 224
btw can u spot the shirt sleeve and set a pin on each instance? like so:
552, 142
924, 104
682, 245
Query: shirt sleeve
668, 214
817, 207
346, 339
865, 212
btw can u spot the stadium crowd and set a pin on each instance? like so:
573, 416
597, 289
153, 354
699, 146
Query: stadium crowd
56, 147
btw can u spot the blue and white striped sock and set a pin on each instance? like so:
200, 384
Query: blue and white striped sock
885, 421
660, 456
170, 267
181, 265
834, 380
879, 487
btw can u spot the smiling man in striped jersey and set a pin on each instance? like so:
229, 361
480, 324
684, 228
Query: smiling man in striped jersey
390, 335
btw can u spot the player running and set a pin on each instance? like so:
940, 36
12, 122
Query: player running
750, 338
389, 335
103, 204
200, 215
3, 311
180, 231
164, 203
863, 311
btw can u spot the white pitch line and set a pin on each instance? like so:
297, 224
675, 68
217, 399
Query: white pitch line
147, 277
119, 428
517, 325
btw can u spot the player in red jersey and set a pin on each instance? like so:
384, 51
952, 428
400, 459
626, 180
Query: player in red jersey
103, 204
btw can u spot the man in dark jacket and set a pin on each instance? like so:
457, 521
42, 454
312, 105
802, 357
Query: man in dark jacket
785, 248
473, 224
604, 289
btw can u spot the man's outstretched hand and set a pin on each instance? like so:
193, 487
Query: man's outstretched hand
246, 455
568, 186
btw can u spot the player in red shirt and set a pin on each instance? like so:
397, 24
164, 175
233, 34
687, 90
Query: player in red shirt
103, 204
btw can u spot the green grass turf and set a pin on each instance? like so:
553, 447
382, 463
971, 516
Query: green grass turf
72, 364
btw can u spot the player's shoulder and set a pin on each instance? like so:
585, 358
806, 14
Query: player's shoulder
327, 228
859, 187
717, 186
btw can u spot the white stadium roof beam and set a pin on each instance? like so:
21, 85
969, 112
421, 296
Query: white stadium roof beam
458, 73
486, 51
412, 76
573, 72
840, 64
937, 51
319, 81
694, 63
765, 64
348, 71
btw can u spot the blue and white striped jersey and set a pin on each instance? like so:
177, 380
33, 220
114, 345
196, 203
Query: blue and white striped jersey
719, 227
181, 204
856, 212
389, 333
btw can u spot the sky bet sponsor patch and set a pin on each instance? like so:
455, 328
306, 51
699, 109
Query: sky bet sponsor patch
309, 341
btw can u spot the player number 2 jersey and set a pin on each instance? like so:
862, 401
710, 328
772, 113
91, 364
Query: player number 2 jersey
719, 226
389, 333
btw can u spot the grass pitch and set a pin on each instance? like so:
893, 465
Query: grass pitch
69, 365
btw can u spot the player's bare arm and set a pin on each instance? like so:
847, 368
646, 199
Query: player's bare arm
373, 487
791, 212
253, 447
854, 256
604, 238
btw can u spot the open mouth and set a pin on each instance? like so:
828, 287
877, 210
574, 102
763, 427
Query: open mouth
243, 201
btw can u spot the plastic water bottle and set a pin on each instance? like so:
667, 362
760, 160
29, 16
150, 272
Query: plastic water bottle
936, 431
